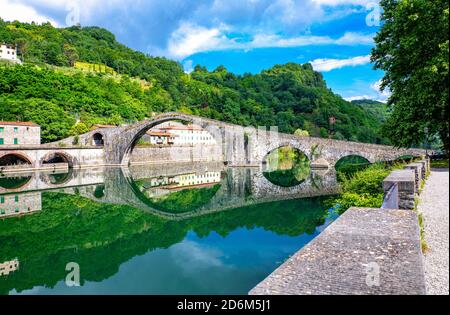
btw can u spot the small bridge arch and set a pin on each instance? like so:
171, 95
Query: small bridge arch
55, 157
14, 158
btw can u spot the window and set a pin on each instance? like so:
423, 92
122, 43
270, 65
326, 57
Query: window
2, 129
16, 198
16, 141
2, 141
2, 199
15, 129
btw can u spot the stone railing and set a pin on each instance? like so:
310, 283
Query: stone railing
402, 186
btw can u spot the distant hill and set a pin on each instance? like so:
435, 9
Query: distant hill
379, 109
289, 96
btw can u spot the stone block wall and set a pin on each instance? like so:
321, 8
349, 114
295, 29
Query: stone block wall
407, 182
406, 187
176, 154
419, 174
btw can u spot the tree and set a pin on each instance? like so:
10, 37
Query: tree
412, 48
301, 133
71, 54
78, 129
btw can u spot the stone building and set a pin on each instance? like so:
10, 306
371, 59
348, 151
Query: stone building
15, 205
9, 52
19, 133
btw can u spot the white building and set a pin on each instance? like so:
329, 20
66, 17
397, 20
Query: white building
161, 137
161, 186
9, 52
187, 134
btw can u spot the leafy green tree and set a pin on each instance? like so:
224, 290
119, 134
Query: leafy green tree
71, 54
301, 133
78, 129
412, 48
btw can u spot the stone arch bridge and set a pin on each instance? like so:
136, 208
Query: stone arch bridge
243, 146
239, 146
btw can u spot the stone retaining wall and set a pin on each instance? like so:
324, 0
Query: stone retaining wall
176, 154
407, 182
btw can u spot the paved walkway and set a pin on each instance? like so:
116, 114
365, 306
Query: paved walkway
365, 251
434, 204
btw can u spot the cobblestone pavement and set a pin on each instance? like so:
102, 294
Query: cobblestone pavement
434, 204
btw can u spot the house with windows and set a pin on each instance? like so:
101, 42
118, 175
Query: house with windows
160, 137
186, 134
19, 133
9, 52
13, 205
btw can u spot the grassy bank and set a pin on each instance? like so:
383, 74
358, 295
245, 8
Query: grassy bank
439, 163
363, 188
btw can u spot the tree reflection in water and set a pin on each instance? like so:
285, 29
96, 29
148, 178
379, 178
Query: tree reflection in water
286, 167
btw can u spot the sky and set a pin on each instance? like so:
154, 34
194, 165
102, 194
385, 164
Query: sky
336, 36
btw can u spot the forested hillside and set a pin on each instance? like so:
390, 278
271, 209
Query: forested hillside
290, 96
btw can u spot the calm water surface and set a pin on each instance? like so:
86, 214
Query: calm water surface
180, 229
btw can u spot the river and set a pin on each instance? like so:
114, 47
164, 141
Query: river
156, 229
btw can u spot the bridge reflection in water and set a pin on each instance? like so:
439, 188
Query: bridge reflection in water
172, 215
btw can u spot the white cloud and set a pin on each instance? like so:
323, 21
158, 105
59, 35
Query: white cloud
11, 10
190, 39
334, 3
382, 96
374, 93
324, 65
358, 97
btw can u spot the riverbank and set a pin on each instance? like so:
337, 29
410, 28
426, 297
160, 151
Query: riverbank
369, 249
434, 205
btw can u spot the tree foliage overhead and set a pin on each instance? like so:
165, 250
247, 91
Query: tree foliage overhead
412, 48
290, 96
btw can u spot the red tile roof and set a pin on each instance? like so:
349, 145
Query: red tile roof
162, 134
18, 123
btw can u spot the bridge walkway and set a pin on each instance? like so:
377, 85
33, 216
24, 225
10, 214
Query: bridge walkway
434, 205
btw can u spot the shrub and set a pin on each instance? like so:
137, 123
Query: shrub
363, 188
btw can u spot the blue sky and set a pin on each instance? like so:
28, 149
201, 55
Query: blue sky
336, 36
